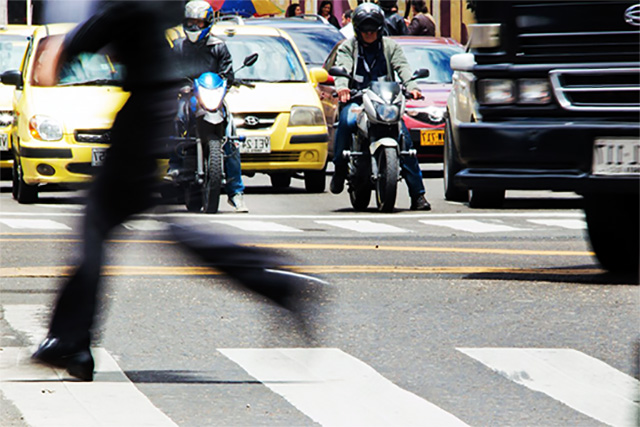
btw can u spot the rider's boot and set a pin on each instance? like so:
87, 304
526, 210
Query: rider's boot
339, 175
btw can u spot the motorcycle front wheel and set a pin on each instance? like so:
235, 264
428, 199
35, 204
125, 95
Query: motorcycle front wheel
360, 183
387, 179
213, 177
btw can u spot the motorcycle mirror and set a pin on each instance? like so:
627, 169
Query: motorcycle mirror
250, 60
422, 73
339, 72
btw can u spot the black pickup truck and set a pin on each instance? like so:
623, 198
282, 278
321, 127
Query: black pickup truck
547, 97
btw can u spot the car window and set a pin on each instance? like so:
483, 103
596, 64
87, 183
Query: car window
12, 49
436, 60
313, 43
277, 61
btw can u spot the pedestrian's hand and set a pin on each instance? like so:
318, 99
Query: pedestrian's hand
344, 95
416, 94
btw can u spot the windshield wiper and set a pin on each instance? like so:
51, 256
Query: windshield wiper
288, 81
95, 82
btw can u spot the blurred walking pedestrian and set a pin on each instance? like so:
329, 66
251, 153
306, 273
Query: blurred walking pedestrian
347, 26
393, 23
135, 32
326, 11
422, 23
293, 10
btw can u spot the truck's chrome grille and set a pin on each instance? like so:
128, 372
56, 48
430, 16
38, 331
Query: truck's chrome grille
605, 89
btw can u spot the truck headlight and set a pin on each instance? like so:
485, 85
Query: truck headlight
496, 91
306, 116
534, 91
45, 128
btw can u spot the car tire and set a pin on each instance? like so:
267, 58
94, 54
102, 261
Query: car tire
22, 192
280, 180
316, 181
486, 198
452, 191
612, 224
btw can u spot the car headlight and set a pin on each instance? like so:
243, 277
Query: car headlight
45, 128
306, 116
496, 91
534, 91
433, 113
386, 112
6, 118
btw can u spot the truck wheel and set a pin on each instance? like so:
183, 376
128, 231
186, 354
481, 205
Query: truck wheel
280, 180
387, 180
22, 192
213, 180
315, 181
452, 191
486, 198
612, 222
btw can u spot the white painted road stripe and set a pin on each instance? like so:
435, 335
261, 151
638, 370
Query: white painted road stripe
471, 225
336, 389
49, 397
581, 382
572, 224
248, 225
34, 224
364, 226
145, 225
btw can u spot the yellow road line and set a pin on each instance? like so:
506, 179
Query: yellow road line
339, 247
120, 270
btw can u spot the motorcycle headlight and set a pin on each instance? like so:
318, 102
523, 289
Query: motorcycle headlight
306, 116
6, 118
386, 112
45, 128
210, 99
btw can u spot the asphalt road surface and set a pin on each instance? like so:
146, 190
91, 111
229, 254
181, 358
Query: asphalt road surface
450, 317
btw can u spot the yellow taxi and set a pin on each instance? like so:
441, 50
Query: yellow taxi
281, 115
13, 43
60, 133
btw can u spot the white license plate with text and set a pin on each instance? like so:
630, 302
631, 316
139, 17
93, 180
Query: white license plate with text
97, 156
4, 142
616, 156
256, 144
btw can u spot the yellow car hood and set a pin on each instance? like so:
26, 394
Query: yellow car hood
6, 97
271, 97
78, 107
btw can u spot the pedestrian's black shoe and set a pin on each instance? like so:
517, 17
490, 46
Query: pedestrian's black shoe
420, 203
75, 358
337, 181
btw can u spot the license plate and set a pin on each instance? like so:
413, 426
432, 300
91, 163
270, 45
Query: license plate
431, 137
616, 156
4, 142
256, 144
97, 156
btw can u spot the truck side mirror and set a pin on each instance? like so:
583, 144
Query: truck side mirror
463, 62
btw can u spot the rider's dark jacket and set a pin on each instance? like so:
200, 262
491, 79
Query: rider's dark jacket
209, 54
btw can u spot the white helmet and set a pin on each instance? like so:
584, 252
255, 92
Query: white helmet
198, 18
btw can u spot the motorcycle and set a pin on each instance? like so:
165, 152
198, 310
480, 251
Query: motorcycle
377, 147
205, 128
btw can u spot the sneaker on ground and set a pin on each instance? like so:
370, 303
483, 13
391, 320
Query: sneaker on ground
237, 202
420, 203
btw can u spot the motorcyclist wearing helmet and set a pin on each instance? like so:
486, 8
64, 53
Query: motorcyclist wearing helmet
370, 56
200, 52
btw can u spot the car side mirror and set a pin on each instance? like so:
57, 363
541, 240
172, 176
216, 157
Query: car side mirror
250, 60
318, 75
422, 73
12, 77
339, 72
462, 62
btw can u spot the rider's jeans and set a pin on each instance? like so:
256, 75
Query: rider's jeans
410, 167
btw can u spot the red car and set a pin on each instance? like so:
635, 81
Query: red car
424, 118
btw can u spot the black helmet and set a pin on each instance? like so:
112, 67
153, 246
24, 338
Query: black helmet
367, 17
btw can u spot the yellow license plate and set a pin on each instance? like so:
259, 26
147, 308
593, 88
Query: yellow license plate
431, 137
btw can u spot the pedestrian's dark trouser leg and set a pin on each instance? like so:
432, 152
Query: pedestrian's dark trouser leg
411, 168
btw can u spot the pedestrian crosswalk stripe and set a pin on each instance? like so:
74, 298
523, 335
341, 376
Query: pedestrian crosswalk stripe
34, 224
471, 225
581, 382
363, 226
49, 397
145, 225
258, 226
572, 224
333, 388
